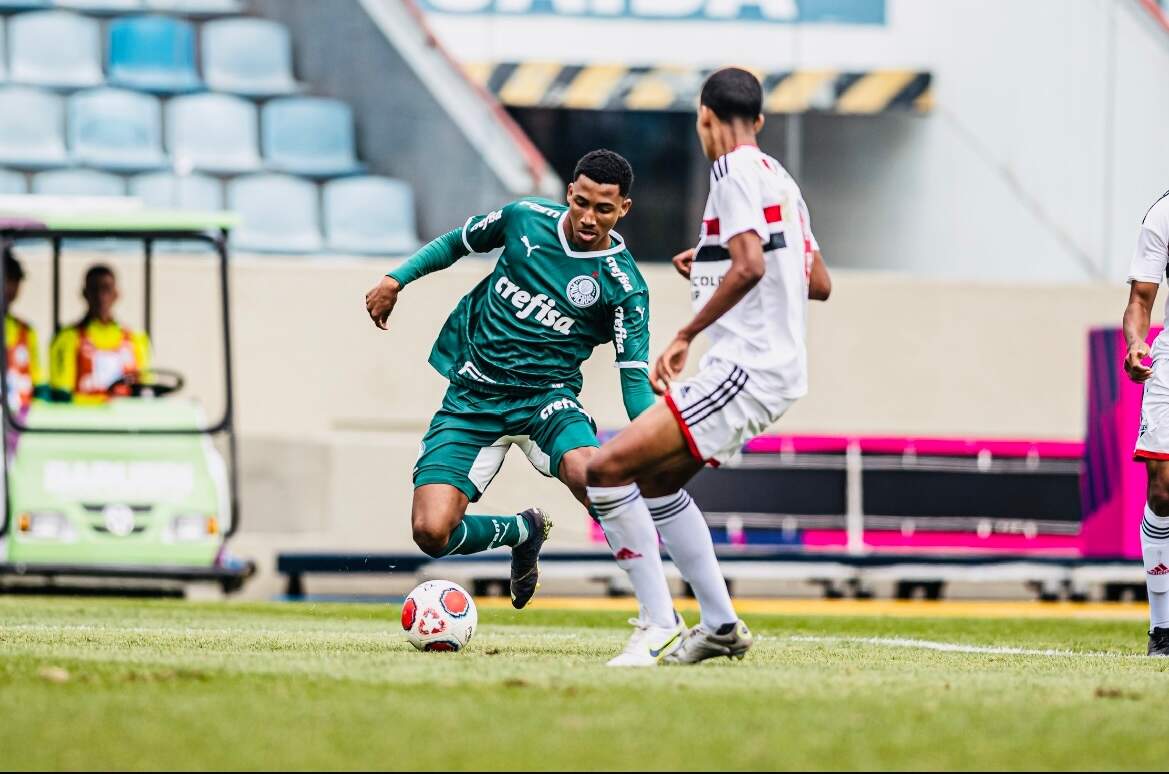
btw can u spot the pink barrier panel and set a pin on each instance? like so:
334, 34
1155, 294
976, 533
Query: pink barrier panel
1113, 485
939, 542
950, 447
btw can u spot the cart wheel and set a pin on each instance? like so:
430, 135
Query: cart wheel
231, 585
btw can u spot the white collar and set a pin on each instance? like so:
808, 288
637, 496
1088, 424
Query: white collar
616, 248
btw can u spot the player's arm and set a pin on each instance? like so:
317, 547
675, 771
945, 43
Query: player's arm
819, 281
1144, 276
746, 250
480, 234
631, 340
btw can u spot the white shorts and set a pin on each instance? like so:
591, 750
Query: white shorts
722, 407
1153, 437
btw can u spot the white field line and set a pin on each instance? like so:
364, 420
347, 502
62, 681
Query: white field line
951, 647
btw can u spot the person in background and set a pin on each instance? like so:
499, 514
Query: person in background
97, 357
26, 378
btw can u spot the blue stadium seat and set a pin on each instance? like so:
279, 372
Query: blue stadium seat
32, 132
12, 183
57, 49
370, 216
212, 132
22, 5
101, 6
196, 7
78, 182
279, 213
3, 57
309, 136
167, 191
116, 129
252, 57
153, 53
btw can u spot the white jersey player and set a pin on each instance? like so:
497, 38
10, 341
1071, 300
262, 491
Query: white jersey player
751, 275
1148, 269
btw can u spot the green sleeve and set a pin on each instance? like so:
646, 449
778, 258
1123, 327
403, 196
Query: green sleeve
635, 391
434, 256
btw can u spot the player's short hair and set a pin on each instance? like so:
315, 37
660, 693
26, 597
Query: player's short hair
12, 268
733, 93
96, 272
607, 168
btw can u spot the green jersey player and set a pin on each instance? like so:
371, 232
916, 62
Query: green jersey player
563, 284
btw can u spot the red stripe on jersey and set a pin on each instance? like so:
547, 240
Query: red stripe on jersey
711, 226
773, 214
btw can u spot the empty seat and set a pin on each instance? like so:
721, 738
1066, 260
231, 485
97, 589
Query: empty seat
3, 57
167, 191
78, 182
116, 129
252, 57
32, 132
212, 132
309, 136
101, 6
12, 182
370, 215
279, 214
196, 7
153, 53
22, 5
55, 48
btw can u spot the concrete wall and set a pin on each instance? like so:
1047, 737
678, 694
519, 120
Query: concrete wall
331, 410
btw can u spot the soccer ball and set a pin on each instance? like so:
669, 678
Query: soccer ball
439, 615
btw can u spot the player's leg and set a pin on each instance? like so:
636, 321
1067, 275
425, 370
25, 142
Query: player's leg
567, 433
1155, 551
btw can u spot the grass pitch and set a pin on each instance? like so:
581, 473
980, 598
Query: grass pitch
145, 685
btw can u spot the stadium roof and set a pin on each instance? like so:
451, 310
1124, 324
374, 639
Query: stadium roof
674, 88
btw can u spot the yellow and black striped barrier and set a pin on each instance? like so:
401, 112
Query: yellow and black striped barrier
675, 88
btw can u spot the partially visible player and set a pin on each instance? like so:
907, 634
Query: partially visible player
755, 267
1145, 276
564, 283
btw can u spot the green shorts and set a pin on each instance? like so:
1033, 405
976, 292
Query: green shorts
472, 432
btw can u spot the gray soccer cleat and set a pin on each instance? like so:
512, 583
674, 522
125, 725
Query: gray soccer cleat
525, 566
702, 644
1159, 642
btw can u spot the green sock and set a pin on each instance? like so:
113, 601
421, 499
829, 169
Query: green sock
482, 533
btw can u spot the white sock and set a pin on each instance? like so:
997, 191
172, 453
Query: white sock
1155, 549
687, 538
631, 535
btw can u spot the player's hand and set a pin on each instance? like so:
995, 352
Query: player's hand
1136, 370
380, 300
669, 365
682, 262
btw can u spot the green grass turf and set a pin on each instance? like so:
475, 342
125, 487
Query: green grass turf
144, 685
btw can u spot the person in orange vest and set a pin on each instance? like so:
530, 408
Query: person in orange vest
26, 379
96, 354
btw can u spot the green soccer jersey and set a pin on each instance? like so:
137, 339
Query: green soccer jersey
530, 324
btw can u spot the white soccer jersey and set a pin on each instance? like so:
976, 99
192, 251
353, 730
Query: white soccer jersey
1151, 257
766, 330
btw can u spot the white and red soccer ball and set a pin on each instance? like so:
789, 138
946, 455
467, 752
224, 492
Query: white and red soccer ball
439, 615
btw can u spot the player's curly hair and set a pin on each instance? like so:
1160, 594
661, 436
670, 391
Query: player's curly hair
607, 168
733, 93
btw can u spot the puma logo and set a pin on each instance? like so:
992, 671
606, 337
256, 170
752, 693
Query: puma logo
531, 247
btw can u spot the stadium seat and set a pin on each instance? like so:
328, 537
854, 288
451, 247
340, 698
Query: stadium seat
309, 136
164, 190
78, 182
370, 216
55, 48
252, 57
153, 53
12, 182
3, 57
196, 7
32, 133
280, 214
22, 5
101, 6
212, 132
116, 129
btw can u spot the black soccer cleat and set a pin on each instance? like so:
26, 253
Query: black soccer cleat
1159, 642
525, 567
